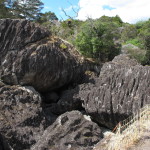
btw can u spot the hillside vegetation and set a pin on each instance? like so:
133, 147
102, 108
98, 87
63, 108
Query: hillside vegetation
102, 38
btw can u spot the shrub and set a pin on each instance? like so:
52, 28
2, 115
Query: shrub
135, 42
96, 40
137, 54
129, 32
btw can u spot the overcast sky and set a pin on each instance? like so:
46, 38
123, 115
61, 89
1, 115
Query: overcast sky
129, 10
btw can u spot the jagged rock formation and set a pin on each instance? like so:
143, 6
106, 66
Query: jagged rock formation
122, 88
16, 34
71, 131
22, 120
31, 56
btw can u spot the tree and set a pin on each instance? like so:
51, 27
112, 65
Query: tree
96, 40
46, 17
117, 20
129, 32
145, 37
69, 29
27, 9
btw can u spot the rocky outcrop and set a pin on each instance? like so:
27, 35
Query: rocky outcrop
121, 90
71, 131
119, 62
117, 93
16, 34
22, 120
31, 56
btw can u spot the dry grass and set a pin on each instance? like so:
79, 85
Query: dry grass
130, 136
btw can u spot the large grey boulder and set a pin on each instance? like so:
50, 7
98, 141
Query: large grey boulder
71, 131
31, 56
122, 88
22, 120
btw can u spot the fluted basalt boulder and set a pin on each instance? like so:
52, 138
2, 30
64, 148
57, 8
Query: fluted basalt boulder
71, 131
122, 88
31, 56
22, 120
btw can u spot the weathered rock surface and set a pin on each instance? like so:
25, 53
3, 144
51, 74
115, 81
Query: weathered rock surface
22, 120
120, 61
121, 90
31, 56
16, 34
71, 131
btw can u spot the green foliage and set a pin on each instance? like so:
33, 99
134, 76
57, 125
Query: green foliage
63, 46
147, 44
139, 24
144, 36
129, 32
138, 35
117, 20
28, 9
93, 38
46, 17
135, 42
96, 40
138, 54
69, 29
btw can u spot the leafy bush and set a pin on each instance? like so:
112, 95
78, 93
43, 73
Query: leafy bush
138, 35
129, 32
144, 35
68, 29
117, 20
135, 42
137, 54
96, 40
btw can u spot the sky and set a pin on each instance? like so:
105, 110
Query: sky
130, 11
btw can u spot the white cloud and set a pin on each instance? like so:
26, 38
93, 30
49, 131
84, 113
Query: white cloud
70, 8
129, 10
